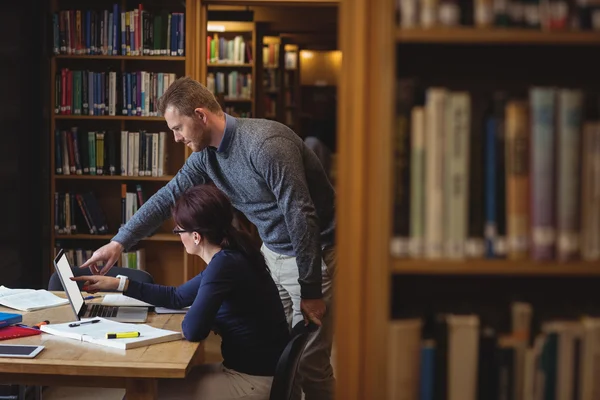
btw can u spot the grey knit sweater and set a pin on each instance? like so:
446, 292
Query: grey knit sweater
273, 178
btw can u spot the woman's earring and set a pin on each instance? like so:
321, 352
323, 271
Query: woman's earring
196, 243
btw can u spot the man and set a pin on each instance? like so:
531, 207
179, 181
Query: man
279, 185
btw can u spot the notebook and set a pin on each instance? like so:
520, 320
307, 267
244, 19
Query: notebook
7, 319
12, 332
96, 333
29, 299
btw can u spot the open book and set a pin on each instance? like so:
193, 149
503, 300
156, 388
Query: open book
29, 299
96, 333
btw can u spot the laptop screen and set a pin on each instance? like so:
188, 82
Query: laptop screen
63, 268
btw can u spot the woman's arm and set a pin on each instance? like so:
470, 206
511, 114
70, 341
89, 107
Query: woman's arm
218, 282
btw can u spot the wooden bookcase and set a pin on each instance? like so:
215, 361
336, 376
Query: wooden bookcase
271, 78
244, 105
291, 85
370, 42
165, 257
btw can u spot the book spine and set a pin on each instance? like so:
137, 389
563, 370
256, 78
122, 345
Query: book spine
543, 142
570, 104
434, 170
517, 179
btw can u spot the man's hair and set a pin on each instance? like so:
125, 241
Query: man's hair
187, 94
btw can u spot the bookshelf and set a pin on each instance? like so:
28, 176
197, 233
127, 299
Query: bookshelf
374, 281
151, 58
230, 65
272, 56
291, 86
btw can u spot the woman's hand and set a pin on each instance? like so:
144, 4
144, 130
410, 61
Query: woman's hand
97, 283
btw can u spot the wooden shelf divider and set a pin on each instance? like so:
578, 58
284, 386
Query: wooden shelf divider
512, 36
165, 178
494, 267
159, 237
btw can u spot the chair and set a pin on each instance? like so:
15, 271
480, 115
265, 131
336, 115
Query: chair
287, 366
133, 274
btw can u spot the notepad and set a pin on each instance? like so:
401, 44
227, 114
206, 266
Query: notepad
29, 299
96, 333
123, 301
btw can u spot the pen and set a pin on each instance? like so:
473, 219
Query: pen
122, 335
91, 297
74, 324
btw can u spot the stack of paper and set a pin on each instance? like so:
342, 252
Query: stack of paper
96, 333
121, 300
29, 299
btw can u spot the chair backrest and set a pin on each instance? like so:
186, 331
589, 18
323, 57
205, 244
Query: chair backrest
133, 274
287, 366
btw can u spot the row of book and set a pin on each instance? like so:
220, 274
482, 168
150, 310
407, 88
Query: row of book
536, 14
78, 213
77, 256
236, 112
220, 50
131, 201
459, 357
78, 152
233, 85
270, 55
114, 32
522, 182
109, 93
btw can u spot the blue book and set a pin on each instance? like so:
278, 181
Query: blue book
7, 319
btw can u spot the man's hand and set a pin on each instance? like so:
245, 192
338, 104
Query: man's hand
109, 253
97, 283
313, 310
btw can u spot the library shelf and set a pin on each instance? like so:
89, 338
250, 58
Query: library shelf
119, 57
108, 117
225, 65
494, 267
164, 178
159, 237
513, 36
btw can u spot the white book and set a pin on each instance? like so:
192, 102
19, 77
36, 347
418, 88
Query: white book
96, 333
123, 301
29, 299
435, 108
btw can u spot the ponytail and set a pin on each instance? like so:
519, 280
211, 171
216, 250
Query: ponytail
241, 241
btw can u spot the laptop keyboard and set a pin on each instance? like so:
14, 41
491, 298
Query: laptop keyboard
98, 310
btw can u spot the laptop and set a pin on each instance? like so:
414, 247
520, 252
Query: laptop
91, 310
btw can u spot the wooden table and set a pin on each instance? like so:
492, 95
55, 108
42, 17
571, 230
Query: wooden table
67, 362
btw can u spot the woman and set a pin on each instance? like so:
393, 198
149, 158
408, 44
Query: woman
235, 296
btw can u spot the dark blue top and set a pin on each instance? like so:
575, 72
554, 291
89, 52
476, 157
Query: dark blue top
236, 301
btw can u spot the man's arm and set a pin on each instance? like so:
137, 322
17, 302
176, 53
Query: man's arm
280, 162
157, 208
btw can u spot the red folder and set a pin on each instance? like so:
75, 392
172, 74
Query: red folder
11, 332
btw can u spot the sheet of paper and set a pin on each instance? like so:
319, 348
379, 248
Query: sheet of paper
122, 300
29, 299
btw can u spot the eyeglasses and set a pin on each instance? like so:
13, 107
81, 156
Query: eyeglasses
178, 231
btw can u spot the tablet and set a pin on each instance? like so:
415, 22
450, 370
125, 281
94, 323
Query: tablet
18, 350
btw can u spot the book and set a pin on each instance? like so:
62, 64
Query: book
96, 333
7, 319
29, 299
123, 301
12, 332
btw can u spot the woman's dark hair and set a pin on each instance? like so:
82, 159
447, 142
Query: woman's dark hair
207, 210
